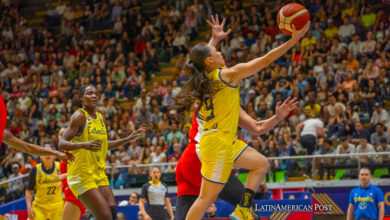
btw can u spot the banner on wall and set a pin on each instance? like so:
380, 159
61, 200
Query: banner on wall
296, 205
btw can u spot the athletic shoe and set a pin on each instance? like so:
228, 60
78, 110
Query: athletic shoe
241, 213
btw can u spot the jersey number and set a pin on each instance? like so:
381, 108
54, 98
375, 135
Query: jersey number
209, 106
51, 190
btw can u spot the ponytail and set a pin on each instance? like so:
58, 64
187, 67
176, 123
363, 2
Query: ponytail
199, 87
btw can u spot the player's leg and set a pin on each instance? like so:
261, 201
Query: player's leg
183, 205
217, 155
71, 211
109, 196
233, 191
96, 203
208, 194
257, 165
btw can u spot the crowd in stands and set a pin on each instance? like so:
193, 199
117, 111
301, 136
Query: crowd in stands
339, 71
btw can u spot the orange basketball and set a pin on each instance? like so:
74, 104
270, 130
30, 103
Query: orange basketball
292, 13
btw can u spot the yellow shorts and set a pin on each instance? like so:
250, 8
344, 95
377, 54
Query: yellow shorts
80, 185
218, 151
55, 212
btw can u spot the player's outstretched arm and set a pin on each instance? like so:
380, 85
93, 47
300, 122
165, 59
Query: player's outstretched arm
261, 127
136, 134
243, 70
77, 123
218, 33
25, 147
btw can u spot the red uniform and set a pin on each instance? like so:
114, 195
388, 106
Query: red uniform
188, 177
3, 117
67, 192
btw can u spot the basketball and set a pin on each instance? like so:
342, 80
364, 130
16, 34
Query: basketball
292, 13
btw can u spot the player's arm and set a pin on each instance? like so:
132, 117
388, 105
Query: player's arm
136, 134
381, 210
77, 123
217, 30
244, 70
30, 192
261, 127
25, 147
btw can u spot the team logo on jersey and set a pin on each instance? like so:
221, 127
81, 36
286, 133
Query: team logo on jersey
362, 205
96, 131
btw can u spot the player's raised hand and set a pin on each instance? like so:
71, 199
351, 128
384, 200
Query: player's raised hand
94, 145
298, 34
217, 28
282, 110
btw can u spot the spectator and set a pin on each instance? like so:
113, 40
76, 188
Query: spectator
313, 108
120, 216
179, 43
365, 147
345, 148
378, 135
15, 190
368, 18
308, 40
212, 211
360, 133
308, 132
383, 147
355, 46
133, 200
347, 30
380, 115
286, 149
176, 152
174, 133
325, 148
368, 46
158, 156
332, 30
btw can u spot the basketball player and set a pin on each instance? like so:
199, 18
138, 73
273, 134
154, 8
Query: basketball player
86, 138
188, 177
48, 203
214, 88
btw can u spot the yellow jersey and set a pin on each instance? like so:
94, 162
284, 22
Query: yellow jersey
89, 163
221, 112
48, 193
